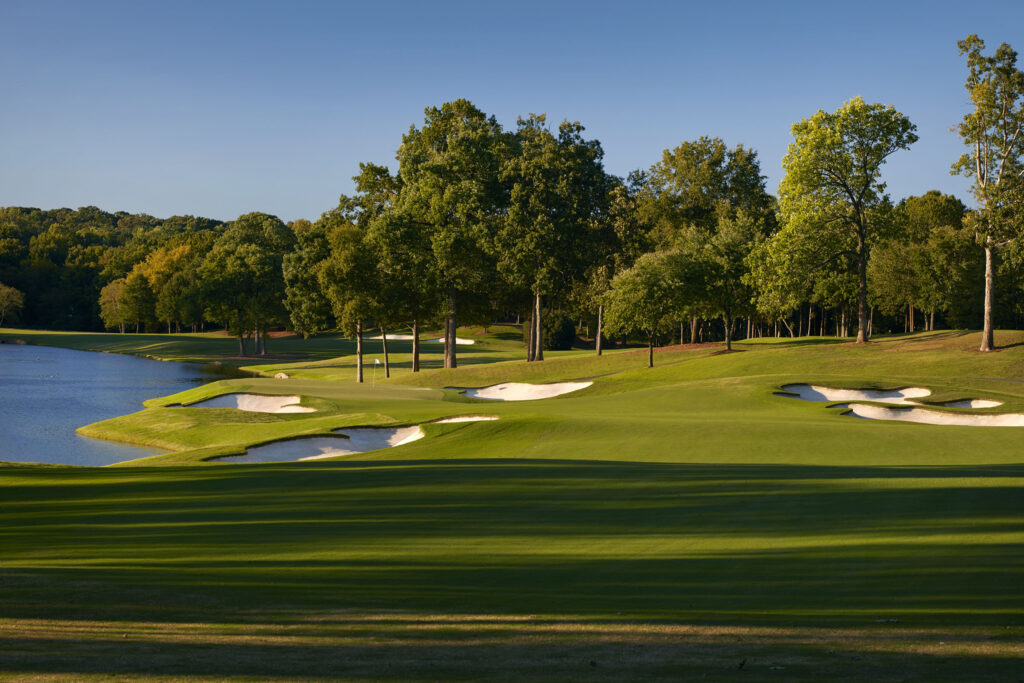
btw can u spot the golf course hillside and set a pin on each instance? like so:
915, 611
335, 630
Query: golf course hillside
695, 519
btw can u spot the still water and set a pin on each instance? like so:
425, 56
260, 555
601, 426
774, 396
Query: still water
46, 393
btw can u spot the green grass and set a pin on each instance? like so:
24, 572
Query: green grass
324, 356
667, 523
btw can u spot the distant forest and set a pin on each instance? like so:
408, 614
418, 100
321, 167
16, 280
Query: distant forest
479, 223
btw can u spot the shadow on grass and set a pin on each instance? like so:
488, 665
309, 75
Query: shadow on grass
712, 542
705, 544
520, 651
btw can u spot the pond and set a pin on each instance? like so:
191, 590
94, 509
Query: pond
46, 393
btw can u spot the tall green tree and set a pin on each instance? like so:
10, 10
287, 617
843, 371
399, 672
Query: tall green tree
694, 181
696, 188
138, 300
11, 301
994, 161
450, 186
558, 196
112, 309
722, 261
308, 308
919, 266
243, 279
348, 280
649, 296
405, 267
833, 187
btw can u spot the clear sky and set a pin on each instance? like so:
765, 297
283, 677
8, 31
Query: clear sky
220, 108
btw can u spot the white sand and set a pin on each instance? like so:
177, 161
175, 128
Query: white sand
934, 417
810, 392
972, 403
519, 391
256, 403
465, 418
459, 341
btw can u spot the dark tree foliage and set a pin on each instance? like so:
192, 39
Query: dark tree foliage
62, 258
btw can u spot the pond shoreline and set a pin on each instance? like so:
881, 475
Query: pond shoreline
52, 392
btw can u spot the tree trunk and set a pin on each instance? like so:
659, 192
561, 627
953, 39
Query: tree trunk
450, 361
987, 340
650, 351
931, 321
415, 346
359, 351
241, 345
384, 343
727, 323
693, 330
786, 323
538, 335
529, 336
266, 336
911, 317
871, 322
863, 333
800, 321
600, 328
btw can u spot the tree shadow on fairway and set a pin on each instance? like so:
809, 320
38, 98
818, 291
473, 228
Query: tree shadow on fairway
301, 548
732, 543
509, 651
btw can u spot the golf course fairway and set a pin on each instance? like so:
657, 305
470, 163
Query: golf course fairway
675, 523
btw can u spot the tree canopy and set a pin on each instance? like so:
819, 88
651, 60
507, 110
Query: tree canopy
833, 187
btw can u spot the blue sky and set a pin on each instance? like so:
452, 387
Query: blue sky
220, 108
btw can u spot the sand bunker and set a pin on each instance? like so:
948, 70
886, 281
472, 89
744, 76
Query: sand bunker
256, 403
519, 391
972, 403
811, 392
933, 417
459, 341
360, 440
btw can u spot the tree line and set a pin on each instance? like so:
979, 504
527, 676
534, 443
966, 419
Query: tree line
477, 223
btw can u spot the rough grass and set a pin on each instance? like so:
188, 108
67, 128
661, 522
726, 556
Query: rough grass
680, 522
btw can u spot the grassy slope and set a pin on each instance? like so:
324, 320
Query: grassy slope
666, 523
